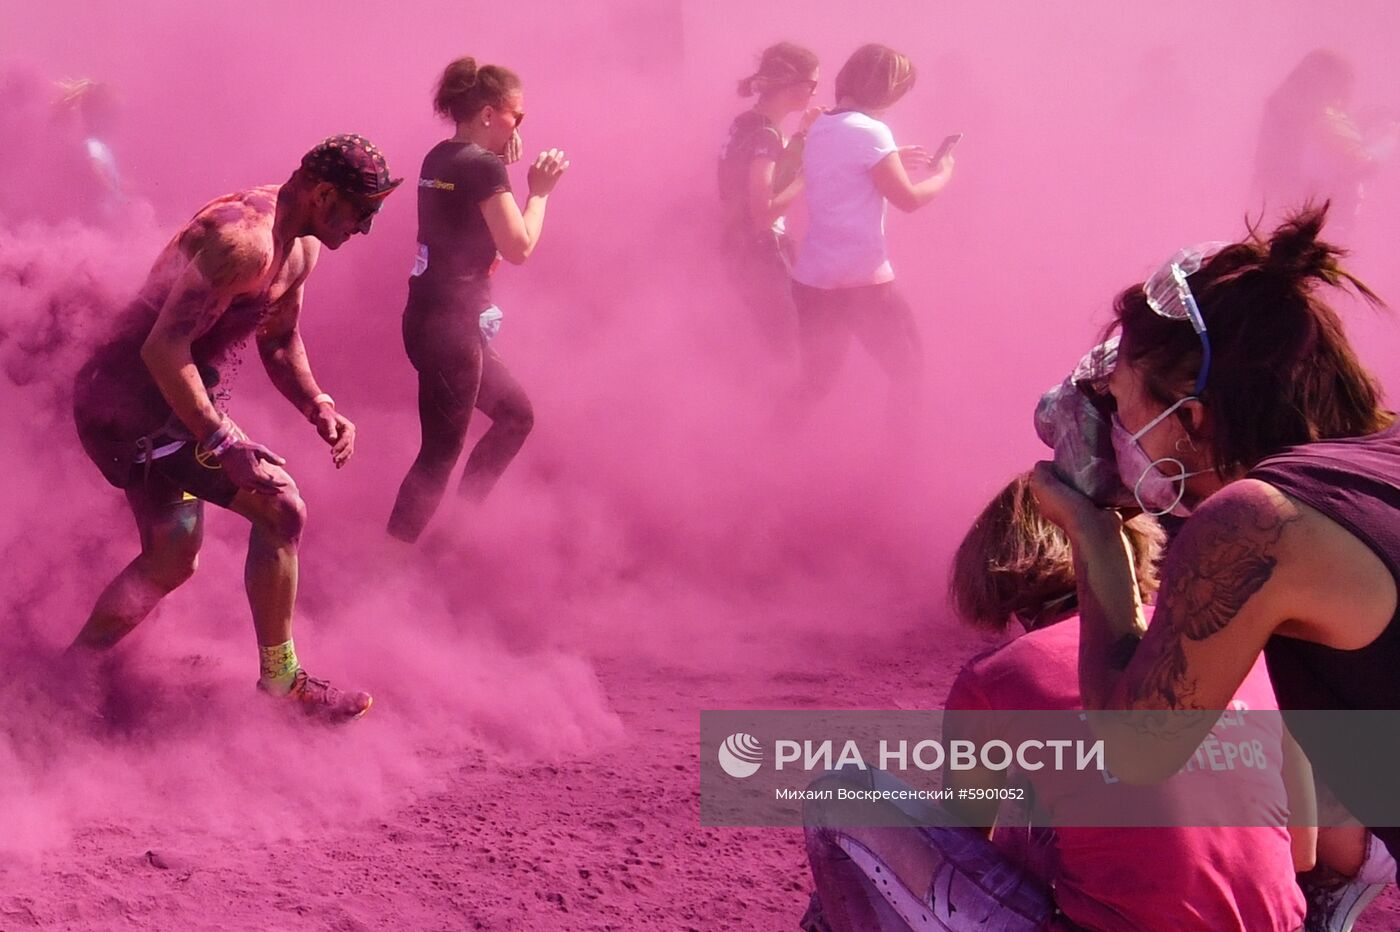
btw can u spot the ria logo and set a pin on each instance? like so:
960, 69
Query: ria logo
740, 755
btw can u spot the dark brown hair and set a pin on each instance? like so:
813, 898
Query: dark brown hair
1282, 370
875, 76
464, 90
1014, 561
779, 65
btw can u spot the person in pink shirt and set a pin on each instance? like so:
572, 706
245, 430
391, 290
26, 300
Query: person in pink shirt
1015, 564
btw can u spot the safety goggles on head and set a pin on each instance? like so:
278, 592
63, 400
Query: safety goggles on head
1169, 295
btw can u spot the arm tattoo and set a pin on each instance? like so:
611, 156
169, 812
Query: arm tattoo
1208, 577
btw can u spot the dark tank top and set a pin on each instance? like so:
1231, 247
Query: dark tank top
1356, 483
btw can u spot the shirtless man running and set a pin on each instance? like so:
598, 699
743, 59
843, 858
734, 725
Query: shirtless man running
148, 402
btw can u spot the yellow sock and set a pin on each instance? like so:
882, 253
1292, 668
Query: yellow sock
278, 666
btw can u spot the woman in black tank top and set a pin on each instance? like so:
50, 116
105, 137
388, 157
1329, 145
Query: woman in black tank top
1260, 424
468, 221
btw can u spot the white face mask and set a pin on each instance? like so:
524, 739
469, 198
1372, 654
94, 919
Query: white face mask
1157, 493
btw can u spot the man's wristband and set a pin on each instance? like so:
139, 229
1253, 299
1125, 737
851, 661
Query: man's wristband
208, 453
310, 409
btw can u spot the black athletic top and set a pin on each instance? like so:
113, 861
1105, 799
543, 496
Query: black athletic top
1356, 483
456, 178
751, 136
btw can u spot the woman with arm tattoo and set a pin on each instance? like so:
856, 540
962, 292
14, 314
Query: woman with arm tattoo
1240, 404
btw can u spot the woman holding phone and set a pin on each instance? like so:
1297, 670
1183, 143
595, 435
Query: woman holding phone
843, 284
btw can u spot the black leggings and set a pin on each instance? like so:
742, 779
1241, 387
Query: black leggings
879, 317
758, 267
457, 372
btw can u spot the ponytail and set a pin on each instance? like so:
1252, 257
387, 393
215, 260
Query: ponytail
1298, 257
784, 63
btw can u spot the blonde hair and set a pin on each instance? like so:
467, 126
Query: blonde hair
875, 76
1016, 562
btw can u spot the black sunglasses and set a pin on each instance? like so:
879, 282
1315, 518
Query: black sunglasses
364, 210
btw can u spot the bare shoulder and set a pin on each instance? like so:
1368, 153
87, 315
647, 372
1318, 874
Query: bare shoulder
1247, 509
1338, 590
1253, 513
231, 238
1220, 598
1237, 544
1248, 532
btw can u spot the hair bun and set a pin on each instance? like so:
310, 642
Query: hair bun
466, 72
459, 79
1296, 252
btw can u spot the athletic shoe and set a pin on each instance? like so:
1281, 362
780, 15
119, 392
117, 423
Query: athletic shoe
320, 700
1335, 909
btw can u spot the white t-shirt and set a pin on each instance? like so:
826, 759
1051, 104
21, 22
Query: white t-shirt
845, 244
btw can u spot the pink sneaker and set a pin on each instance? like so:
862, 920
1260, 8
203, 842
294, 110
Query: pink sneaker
320, 700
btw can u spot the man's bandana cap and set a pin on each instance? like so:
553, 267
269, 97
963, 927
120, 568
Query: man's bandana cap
351, 163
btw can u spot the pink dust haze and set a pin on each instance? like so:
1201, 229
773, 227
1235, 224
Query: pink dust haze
665, 542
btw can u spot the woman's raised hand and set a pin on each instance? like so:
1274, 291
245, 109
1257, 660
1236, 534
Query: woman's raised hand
546, 172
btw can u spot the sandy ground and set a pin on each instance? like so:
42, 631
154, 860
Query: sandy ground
601, 842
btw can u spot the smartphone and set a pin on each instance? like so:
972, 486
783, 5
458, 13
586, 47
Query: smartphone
945, 148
